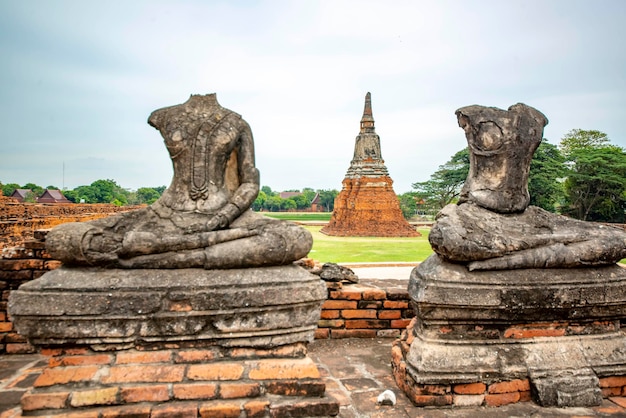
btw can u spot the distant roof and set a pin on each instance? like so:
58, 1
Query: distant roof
20, 194
52, 196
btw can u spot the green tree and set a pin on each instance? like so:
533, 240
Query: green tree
408, 204
71, 195
273, 203
8, 189
147, 195
327, 199
547, 170
596, 184
309, 193
300, 201
577, 139
36, 189
444, 186
287, 204
259, 202
268, 191
595, 188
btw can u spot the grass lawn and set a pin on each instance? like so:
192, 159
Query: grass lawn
299, 216
368, 249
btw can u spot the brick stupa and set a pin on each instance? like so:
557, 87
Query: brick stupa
367, 204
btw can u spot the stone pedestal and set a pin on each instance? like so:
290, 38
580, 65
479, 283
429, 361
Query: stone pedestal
172, 342
551, 335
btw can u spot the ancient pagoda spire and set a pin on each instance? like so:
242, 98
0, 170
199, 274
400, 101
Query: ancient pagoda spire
367, 121
367, 204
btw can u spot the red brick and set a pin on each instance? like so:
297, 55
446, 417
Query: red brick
175, 410
103, 396
353, 333
347, 294
501, 399
322, 333
126, 411
215, 371
431, 400
239, 390
3, 316
389, 314
374, 294
64, 351
395, 304
129, 357
470, 389
179, 306
359, 313
329, 314
613, 381
61, 376
290, 350
366, 323
525, 396
21, 264
435, 389
607, 392
331, 323
299, 387
256, 409
20, 348
510, 386
400, 323
6, 326
100, 359
194, 356
144, 373
147, 393
283, 369
195, 391
339, 304
619, 400
52, 264
534, 332
220, 410
369, 304
35, 401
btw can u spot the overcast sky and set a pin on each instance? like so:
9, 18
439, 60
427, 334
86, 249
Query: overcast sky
80, 78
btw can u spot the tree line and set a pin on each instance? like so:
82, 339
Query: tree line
108, 191
100, 191
584, 177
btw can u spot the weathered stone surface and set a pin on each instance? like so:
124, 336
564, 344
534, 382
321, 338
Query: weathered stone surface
492, 227
501, 144
332, 272
447, 292
514, 293
203, 218
247, 307
535, 238
367, 204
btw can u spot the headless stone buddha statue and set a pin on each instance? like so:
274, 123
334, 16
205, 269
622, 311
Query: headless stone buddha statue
203, 218
493, 227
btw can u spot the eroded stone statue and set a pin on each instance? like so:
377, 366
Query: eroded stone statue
492, 227
203, 218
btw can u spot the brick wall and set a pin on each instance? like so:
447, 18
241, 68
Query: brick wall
19, 265
371, 308
19, 221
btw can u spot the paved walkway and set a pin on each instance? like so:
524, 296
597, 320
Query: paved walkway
356, 372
